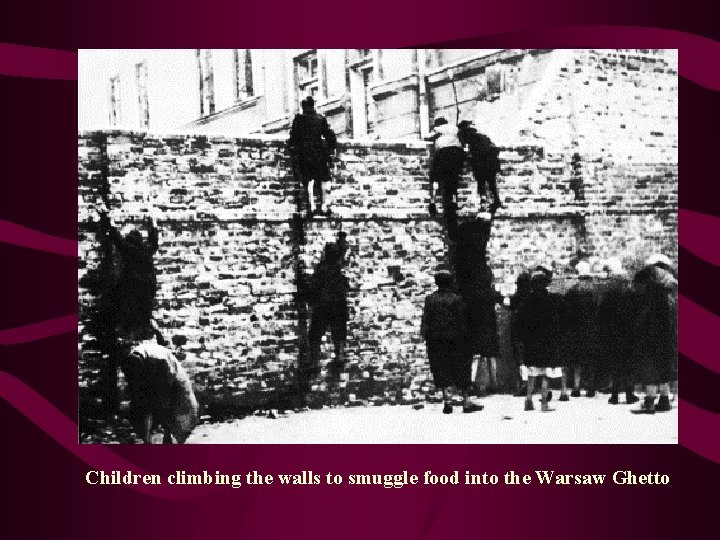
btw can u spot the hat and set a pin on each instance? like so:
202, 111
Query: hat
465, 124
443, 278
583, 269
659, 258
439, 121
545, 269
539, 277
332, 252
523, 279
614, 266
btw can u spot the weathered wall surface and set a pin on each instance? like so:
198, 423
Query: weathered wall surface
225, 263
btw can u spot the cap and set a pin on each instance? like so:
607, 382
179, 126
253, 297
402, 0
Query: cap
583, 269
614, 266
658, 258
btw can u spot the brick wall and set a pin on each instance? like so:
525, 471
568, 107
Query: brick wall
225, 262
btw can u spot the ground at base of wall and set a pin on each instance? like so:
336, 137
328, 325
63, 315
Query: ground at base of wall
503, 421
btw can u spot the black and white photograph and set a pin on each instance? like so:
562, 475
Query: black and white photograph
378, 246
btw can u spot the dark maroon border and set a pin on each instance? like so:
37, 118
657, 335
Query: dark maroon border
42, 468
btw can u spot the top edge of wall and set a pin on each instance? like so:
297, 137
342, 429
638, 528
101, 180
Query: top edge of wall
271, 140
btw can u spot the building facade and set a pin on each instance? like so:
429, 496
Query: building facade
365, 93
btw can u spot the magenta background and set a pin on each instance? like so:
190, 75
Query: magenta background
42, 467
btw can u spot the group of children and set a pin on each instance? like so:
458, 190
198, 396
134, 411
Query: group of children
618, 332
607, 331
623, 331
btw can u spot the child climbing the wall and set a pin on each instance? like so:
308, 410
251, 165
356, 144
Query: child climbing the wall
312, 144
445, 170
328, 300
125, 287
484, 161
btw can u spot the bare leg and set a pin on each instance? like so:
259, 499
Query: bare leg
492, 373
545, 406
650, 395
474, 368
447, 409
663, 404
147, 429
309, 191
530, 388
340, 352
318, 194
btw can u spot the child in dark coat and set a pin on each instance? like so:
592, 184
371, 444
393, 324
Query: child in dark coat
444, 328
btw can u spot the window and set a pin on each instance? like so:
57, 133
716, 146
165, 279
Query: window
243, 74
495, 81
141, 76
363, 75
207, 85
307, 75
363, 54
115, 100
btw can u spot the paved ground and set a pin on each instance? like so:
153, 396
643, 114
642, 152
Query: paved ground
582, 420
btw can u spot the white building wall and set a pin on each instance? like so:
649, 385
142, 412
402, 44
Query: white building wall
396, 63
173, 87
224, 78
335, 72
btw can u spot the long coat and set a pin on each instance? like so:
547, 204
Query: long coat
579, 325
655, 328
311, 142
615, 331
538, 327
444, 327
159, 387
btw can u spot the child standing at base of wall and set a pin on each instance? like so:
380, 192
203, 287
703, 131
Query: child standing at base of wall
517, 303
538, 326
655, 328
444, 328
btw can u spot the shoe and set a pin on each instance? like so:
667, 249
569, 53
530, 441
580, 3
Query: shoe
447, 409
663, 404
472, 407
529, 405
564, 397
575, 393
648, 406
631, 398
614, 399
590, 393
545, 407
549, 396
